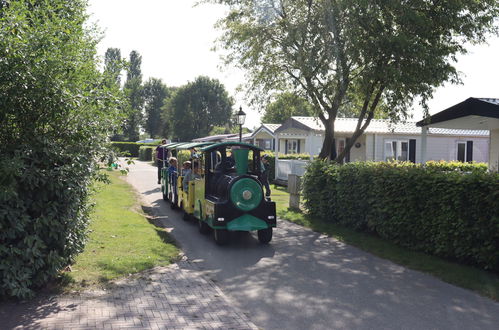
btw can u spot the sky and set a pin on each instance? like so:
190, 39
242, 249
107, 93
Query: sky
176, 39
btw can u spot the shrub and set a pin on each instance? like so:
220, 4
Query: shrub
130, 149
146, 152
450, 214
56, 111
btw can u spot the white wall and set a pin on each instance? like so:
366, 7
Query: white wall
438, 147
494, 150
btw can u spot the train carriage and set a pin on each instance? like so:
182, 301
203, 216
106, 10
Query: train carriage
169, 181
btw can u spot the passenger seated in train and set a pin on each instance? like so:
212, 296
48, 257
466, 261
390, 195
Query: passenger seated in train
194, 174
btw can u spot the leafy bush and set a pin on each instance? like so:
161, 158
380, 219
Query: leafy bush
127, 148
56, 111
450, 214
146, 152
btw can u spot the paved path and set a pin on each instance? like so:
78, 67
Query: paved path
175, 297
304, 280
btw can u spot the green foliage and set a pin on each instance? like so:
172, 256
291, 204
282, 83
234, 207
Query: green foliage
146, 153
113, 64
134, 93
155, 93
361, 56
194, 109
447, 213
127, 148
285, 106
56, 112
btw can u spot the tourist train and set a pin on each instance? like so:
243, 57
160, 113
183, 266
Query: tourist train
218, 185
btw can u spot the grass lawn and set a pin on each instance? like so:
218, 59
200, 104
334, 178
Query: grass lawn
122, 240
480, 281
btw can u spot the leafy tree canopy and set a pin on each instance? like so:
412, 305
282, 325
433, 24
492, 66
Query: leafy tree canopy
194, 109
337, 52
286, 105
113, 64
155, 93
133, 90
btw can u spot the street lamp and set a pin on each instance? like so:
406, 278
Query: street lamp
240, 117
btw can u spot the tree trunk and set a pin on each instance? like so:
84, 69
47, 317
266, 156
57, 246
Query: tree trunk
328, 138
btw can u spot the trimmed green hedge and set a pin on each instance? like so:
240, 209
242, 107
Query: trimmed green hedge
130, 149
448, 213
146, 152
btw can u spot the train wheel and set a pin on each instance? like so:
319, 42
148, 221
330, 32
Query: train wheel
265, 235
221, 236
186, 216
203, 227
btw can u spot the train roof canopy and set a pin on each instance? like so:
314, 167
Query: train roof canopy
194, 145
174, 145
230, 144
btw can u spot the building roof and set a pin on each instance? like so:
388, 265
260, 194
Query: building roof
269, 128
376, 126
472, 113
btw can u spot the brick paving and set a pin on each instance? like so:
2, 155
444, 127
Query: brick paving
174, 297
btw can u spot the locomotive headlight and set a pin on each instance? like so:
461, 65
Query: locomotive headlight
246, 194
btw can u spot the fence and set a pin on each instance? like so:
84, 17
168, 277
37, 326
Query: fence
284, 167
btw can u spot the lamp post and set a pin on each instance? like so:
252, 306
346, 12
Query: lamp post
240, 117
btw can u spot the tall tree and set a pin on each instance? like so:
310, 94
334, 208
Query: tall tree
336, 51
194, 109
113, 64
155, 93
134, 93
286, 105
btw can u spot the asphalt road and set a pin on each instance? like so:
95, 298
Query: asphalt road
305, 280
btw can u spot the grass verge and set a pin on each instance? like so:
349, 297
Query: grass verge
480, 281
122, 239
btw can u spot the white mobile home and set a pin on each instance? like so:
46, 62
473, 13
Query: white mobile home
381, 141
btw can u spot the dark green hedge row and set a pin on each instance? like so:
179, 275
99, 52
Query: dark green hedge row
130, 149
450, 214
146, 152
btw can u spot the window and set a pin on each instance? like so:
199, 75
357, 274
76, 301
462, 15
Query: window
268, 144
464, 150
397, 150
292, 146
341, 146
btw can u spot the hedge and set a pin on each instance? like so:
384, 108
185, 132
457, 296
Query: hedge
451, 214
146, 152
130, 149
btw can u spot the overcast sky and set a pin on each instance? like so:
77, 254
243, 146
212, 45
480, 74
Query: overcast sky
175, 40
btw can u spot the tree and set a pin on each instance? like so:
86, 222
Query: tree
335, 52
155, 93
286, 105
56, 114
194, 109
134, 93
113, 64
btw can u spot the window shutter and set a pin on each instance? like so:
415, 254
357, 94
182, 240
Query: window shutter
333, 150
469, 151
412, 150
285, 147
298, 146
347, 156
